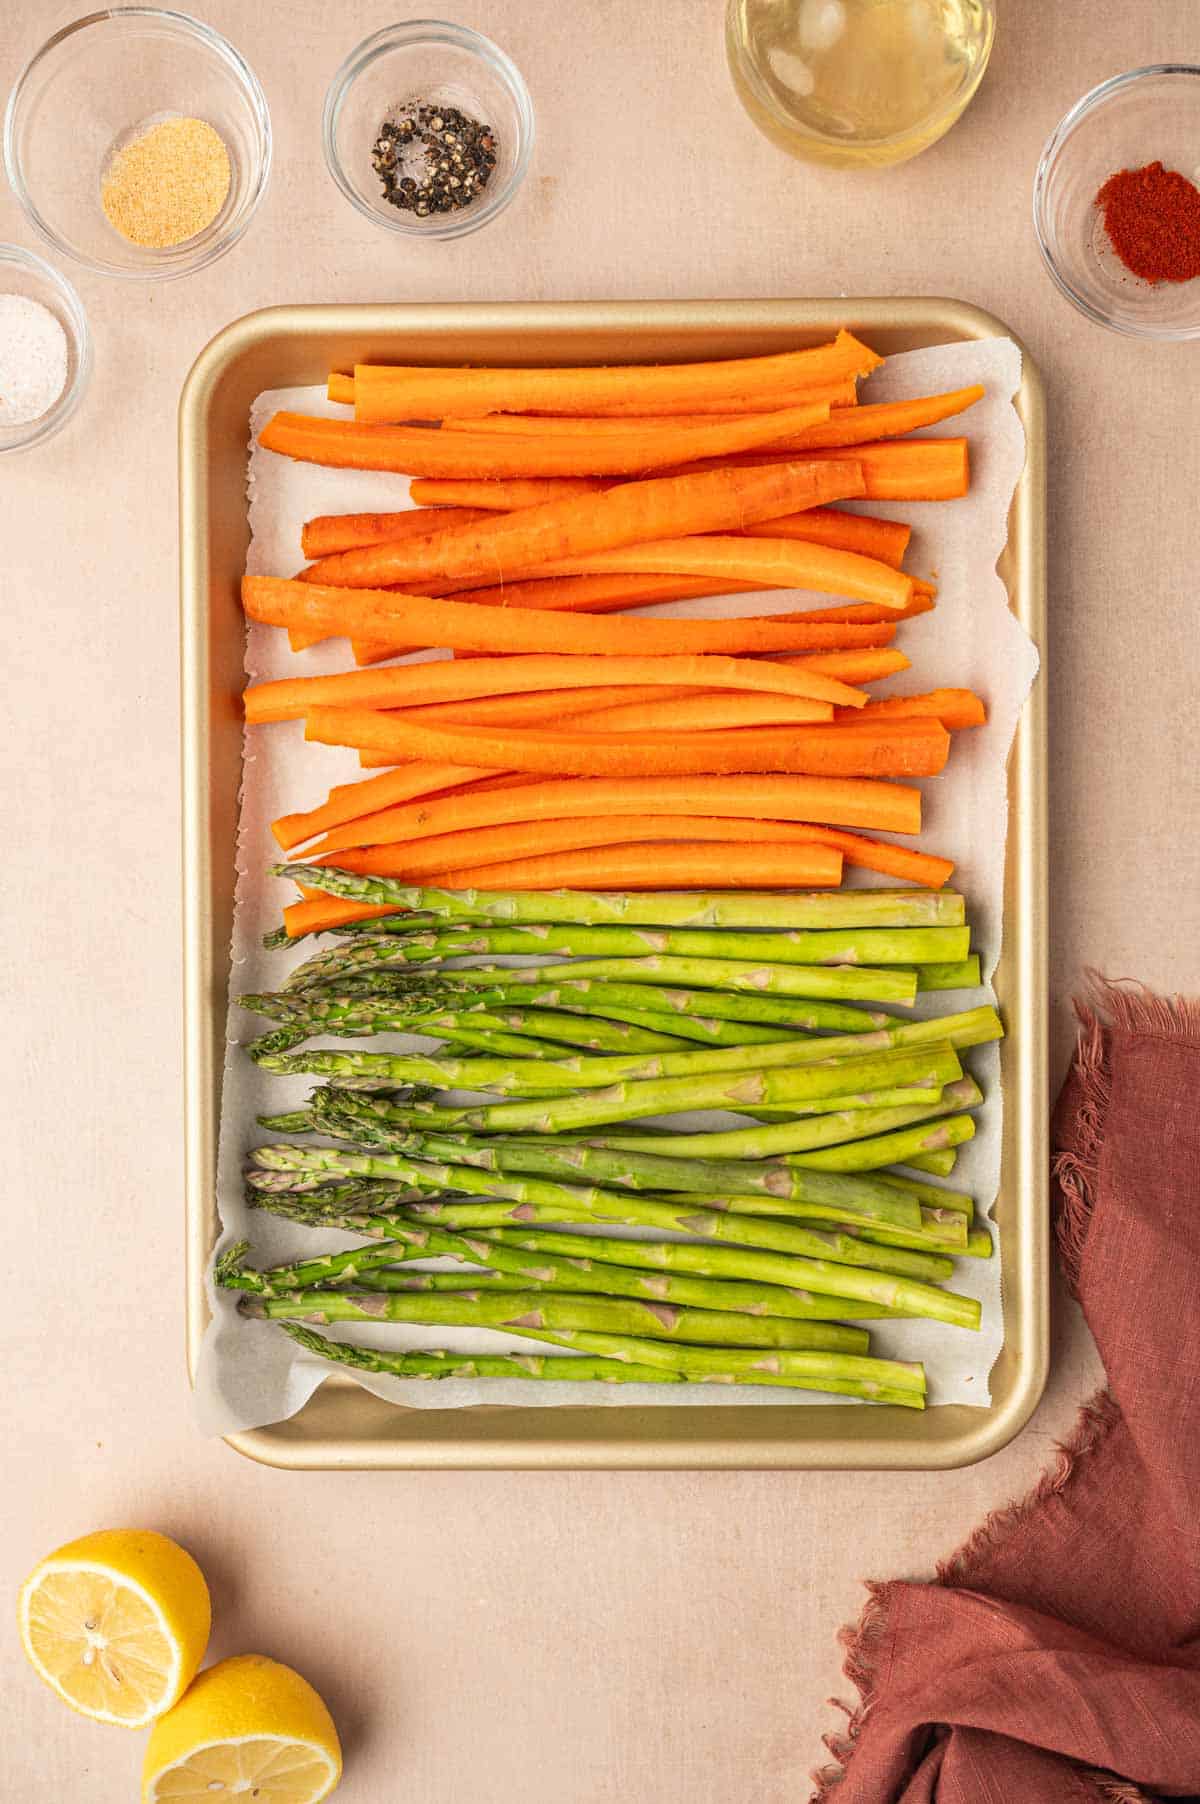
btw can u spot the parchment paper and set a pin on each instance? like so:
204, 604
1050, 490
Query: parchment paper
250, 1372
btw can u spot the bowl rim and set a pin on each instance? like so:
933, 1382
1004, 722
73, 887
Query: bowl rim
56, 417
407, 35
1096, 97
180, 24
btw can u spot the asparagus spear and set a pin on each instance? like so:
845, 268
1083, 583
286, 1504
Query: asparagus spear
356, 1014
844, 983
821, 1275
518, 1270
673, 908
940, 1163
643, 1171
525, 1076
877, 1150
535, 1309
943, 946
573, 1368
325, 1192
930, 1196
537, 1318
795, 1086
799, 1136
954, 974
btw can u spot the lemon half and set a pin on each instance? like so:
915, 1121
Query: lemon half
248, 1728
117, 1624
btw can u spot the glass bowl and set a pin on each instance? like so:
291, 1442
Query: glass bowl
91, 86
23, 273
449, 65
1150, 115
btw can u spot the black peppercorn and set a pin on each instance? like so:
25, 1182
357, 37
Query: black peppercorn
433, 159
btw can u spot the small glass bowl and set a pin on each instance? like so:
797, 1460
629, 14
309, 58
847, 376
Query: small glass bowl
24, 273
427, 60
91, 86
1150, 115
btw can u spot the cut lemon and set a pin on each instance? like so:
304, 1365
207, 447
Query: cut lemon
117, 1623
248, 1728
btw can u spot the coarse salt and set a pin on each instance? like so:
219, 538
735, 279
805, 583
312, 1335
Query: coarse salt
33, 360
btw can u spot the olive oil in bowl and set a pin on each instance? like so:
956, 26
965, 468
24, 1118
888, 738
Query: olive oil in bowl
857, 82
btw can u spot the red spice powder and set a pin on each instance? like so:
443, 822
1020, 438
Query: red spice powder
1152, 217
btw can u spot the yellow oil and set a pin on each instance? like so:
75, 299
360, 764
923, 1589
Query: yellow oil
857, 82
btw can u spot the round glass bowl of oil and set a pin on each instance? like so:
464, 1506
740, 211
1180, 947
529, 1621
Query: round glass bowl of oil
857, 83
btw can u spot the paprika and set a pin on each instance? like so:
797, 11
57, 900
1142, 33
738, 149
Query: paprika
1152, 217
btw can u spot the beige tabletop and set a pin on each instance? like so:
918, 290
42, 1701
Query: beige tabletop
510, 1636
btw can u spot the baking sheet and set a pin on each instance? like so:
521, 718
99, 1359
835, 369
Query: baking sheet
251, 1373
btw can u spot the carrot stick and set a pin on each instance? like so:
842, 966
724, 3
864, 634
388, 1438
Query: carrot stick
699, 714
385, 617
340, 387
677, 865
348, 800
893, 861
329, 533
556, 704
955, 708
902, 748
851, 666
319, 916
501, 496
917, 469
594, 594
384, 392
886, 419
832, 801
886, 540
448, 680
864, 613
635, 511
420, 451
839, 395
771, 563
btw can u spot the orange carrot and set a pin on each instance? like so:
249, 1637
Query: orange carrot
771, 563
327, 912
501, 496
851, 666
833, 801
329, 533
902, 748
420, 451
450, 679
886, 419
886, 540
386, 617
384, 392
840, 395
676, 865
698, 714
556, 704
348, 800
955, 708
918, 469
864, 613
636, 511
340, 387
893, 861
595, 594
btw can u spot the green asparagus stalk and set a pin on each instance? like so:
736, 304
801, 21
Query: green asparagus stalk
939, 1163
799, 1136
576, 1203
525, 1076
943, 946
571, 1368
736, 908
832, 983
325, 1192
517, 1270
360, 1015
878, 1150
795, 1086
528, 1310
930, 1196
953, 974
822, 1276
762, 1362
864, 1202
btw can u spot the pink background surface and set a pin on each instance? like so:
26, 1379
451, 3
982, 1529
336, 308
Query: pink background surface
517, 1636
